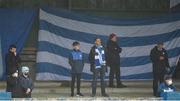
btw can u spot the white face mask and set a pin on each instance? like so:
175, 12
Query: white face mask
169, 82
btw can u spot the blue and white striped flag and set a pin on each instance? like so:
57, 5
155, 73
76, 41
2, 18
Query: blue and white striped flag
60, 28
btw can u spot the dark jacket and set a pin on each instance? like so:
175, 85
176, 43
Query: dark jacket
12, 63
22, 86
76, 61
159, 65
92, 58
113, 51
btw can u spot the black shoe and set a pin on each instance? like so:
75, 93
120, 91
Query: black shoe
105, 95
112, 86
121, 86
79, 94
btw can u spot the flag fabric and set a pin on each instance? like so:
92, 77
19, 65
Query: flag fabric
60, 28
174, 3
15, 26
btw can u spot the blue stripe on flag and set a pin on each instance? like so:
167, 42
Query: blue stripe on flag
124, 41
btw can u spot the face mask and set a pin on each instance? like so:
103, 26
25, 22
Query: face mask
26, 73
160, 49
169, 82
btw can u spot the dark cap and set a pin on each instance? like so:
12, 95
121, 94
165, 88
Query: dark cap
12, 46
75, 43
167, 77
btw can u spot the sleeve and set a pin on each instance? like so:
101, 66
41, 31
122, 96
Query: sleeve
32, 85
9, 64
166, 59
119, 49
91, 59
70, 60
160, 88
18, 60
91, 56
154, 58
83, 59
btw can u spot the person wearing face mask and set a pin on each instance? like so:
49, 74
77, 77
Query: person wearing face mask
167, 86
12, 61
25, 84
76, 61
159, 58
97, 60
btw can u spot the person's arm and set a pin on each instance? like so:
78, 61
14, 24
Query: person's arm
83, 59
70, 60
119, 49
91, 59
9, 64
32, 85
166, 59
153, 56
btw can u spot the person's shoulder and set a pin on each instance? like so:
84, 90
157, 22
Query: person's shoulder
162, 85
93, 47
154, 48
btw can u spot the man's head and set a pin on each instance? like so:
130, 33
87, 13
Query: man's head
160, 45
12, 48
25, 70
168, 80
113, 37
76, 45
98, 41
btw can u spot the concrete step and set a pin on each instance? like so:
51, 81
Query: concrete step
54, 89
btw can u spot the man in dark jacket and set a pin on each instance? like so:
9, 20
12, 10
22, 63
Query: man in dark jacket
76, 62
98, 66
160, 63
25, 84
12, 63
113, 60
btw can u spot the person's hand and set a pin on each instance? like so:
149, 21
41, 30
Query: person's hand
15, 74
161, 58
15, 53
28, 91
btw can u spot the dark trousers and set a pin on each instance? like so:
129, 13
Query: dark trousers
114, 71
157, 79
11, 83
74, 77
96, 72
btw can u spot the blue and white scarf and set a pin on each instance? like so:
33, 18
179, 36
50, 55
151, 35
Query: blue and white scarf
99, 56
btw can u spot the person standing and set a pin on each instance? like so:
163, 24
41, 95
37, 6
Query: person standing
98, 66
159, 58
76, 62
113, 61
13, 61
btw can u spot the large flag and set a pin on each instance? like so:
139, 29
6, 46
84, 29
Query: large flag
60, 28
